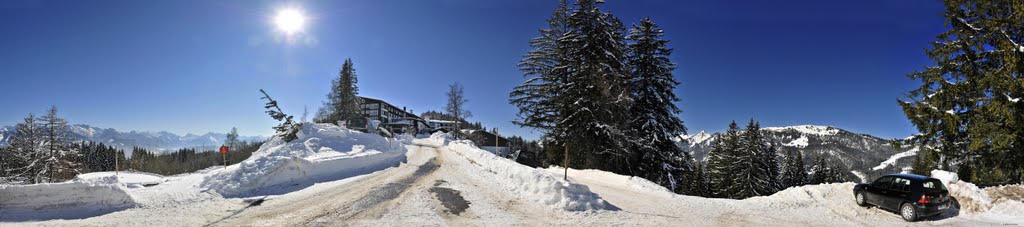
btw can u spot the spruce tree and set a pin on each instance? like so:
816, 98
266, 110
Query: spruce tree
653, 121
535, 99
968, 105
695, 182
231, 139
350, 102
288, 129
795, 174
721, 167
754, 168
924, 162
343, 102
595, 98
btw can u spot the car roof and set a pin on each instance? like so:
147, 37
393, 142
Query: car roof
909, 176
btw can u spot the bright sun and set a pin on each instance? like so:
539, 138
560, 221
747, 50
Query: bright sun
290, 21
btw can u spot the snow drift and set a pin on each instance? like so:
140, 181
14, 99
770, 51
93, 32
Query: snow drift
322, 152
129, 179
65, 200
529, 184
976, 200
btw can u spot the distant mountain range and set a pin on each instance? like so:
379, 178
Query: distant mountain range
150, 140
866, 156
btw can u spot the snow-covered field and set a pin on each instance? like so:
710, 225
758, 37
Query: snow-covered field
317, 180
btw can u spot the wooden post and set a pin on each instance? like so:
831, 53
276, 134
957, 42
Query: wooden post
566, 162
496, 149
225, 156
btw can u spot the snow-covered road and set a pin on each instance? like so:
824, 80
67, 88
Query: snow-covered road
455, 184
412, 194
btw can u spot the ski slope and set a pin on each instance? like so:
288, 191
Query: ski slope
441, 182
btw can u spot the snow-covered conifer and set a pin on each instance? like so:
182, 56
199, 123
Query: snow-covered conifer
287, 129
653, 121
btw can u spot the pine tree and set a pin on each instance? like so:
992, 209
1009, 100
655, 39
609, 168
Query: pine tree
595, 98
969, 103
721, 168
288, 129
653, 113
795, 174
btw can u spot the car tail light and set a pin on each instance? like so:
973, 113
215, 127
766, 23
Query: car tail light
925, 199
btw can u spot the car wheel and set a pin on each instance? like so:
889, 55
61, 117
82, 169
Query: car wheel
908, 212
860, 199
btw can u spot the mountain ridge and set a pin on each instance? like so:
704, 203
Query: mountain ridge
158, 141
864, 156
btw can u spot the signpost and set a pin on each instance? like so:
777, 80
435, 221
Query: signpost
497, 149
223, 154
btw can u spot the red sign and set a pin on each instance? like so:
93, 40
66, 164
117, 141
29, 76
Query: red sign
223, 149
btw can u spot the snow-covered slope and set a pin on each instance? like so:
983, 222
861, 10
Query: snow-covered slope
896, 157
322, 152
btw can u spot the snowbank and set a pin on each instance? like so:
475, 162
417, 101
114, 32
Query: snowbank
529, 184
439, 139
129, 179
976, 200
64, 200
322, 152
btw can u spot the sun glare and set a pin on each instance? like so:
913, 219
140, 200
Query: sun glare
290, 21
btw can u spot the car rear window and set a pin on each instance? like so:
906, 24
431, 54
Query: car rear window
933, 185
900, 184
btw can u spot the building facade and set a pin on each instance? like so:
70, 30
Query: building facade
396, 120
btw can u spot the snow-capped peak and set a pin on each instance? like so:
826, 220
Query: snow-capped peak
698, 138
807, 129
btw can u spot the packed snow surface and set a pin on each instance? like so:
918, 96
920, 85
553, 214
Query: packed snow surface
807, 129
892, 159
322, 152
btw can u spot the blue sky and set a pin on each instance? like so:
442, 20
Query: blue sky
196, 66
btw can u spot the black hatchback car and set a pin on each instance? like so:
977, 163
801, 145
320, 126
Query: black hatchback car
913, 196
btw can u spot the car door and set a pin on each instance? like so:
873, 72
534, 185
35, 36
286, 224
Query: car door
897, 191
877, 189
